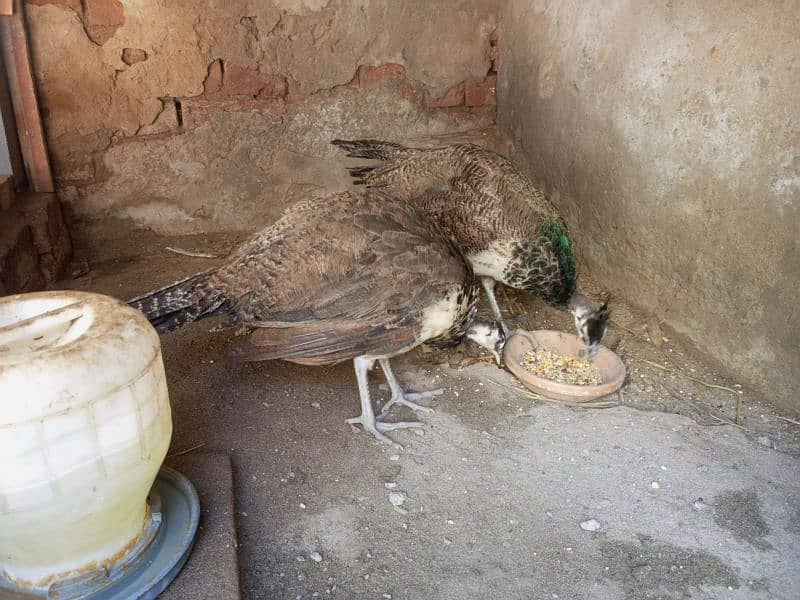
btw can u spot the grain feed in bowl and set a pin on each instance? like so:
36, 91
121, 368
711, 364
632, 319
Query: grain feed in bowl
561, 368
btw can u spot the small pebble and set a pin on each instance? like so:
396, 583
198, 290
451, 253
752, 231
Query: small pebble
315, 556
387, 596
394, 457
656, 485
390, 485
447, 541
302, 505
300, 558
699, 504
315, 405
450, 522
397, 498
590, 525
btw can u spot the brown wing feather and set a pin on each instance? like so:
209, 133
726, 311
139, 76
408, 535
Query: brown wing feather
326, 342
337, 278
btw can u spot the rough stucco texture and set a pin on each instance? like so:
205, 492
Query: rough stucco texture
669, 134
190, 115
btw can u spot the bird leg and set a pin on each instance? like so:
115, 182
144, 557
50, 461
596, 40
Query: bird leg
367, 416
399, 396
488, 285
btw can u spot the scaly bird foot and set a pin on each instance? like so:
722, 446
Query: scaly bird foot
378, 428
407, 399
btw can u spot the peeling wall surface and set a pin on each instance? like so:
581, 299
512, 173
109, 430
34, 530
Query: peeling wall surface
669, 134
188, 115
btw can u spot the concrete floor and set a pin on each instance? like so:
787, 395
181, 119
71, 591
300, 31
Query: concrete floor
497, 483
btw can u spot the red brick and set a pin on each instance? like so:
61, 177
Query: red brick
412, 92
452, 97
213, 82
73, 4
275, 86
481, 93
102, 18
368, 75
293, 93
241, 81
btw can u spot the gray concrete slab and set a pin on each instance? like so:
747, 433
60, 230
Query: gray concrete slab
212, 570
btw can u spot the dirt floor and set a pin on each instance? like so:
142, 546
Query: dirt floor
498, 482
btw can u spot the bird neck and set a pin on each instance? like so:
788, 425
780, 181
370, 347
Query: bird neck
556, 232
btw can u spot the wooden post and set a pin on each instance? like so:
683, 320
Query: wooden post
17, 60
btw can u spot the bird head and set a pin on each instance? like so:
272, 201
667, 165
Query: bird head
591, 321
488, 334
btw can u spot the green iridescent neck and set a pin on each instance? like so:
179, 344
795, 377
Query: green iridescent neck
558, 234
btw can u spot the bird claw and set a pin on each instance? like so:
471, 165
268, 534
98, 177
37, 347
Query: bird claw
407, 399
378, 428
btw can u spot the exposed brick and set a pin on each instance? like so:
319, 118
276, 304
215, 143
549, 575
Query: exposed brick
131, 56
481, 93
452, 97
293, 93
102, 18
275, 86
241, 81
73, 4
213, 81
412, 92
368, 75
292, 98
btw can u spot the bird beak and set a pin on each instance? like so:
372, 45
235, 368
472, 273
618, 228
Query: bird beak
497, 357
498, 350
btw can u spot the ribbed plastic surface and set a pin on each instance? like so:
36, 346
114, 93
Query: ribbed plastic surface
85, 424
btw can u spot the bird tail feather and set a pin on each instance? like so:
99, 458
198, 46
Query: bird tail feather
179, 303
374, 149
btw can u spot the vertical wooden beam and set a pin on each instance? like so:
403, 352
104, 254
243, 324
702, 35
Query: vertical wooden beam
16, 57
12, 137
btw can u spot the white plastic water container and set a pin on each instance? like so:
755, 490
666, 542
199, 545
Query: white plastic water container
85, 424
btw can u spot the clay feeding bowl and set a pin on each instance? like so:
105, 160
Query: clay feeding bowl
608, 364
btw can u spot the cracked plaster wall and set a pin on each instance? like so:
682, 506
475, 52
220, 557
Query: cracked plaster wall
188, 116
669, 134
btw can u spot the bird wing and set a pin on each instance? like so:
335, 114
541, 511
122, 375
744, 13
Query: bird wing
406, 172
369, 269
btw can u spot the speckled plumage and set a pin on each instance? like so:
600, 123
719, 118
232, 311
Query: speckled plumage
494, 213
335, 278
